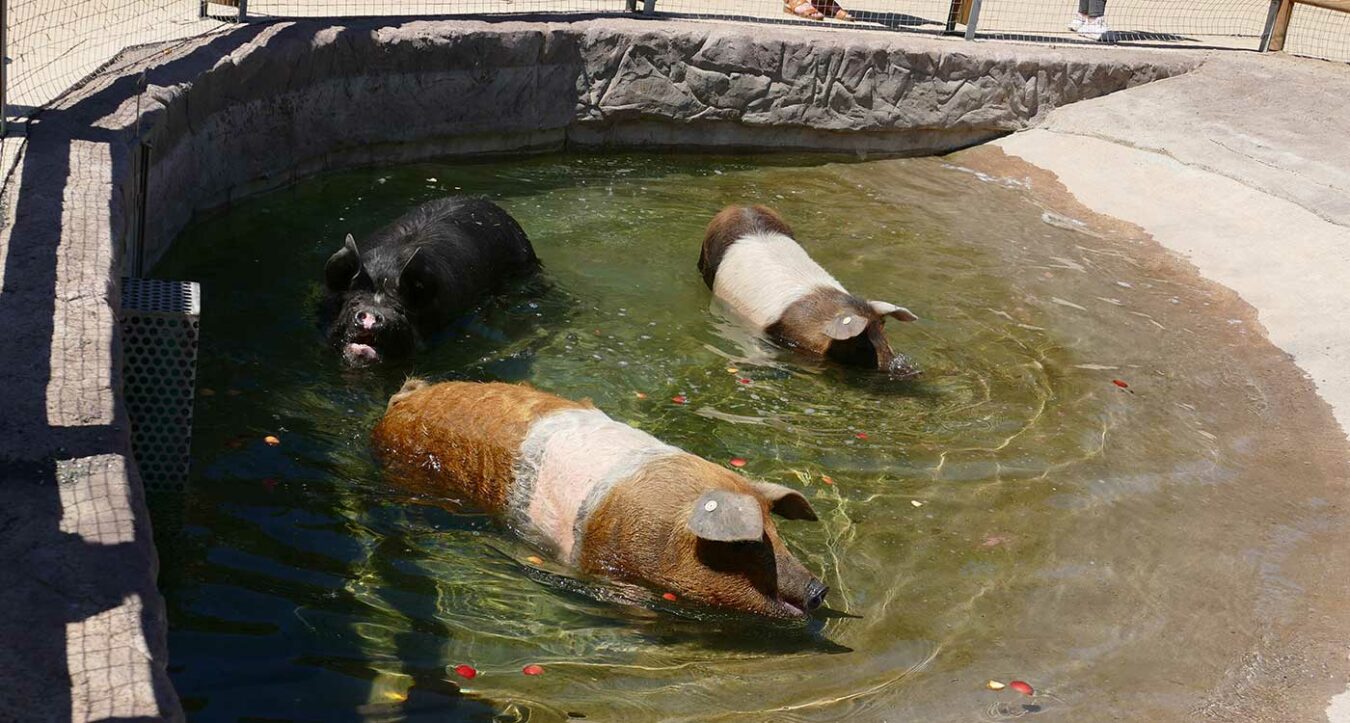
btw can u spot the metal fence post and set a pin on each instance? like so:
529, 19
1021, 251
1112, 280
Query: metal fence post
243, 11
974, 21
1280, 28
1268, 31
133, 264
4, 68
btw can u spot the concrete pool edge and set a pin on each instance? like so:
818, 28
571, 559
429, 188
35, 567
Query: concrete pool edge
1255, 202
222, 114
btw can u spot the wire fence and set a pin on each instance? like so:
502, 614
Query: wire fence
1210, 23
431, 8
54, 44
1198, 23
1319, 33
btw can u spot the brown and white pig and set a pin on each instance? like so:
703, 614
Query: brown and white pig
599, 495
753, 264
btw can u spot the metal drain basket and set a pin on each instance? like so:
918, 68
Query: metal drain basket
160, 327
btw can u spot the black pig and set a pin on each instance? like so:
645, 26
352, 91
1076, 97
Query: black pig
411, 278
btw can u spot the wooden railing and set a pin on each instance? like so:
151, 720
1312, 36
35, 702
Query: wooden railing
1280, 26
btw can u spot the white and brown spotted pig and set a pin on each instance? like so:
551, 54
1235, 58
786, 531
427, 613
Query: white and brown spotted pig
754, 265
599, 495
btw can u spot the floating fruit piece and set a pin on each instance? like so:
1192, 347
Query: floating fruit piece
271, 440
861, 435
737, 462
732, 370
916, 503
1120, 384
538, 670
668, 596
743, 380
396, 696
1021, 687
641, 395
827, 479
994, 685
535, 560
680, 399
465, 671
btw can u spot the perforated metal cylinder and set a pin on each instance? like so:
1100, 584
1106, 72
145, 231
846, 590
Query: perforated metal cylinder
160, 328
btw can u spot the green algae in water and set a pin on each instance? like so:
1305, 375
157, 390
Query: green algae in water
1012, 514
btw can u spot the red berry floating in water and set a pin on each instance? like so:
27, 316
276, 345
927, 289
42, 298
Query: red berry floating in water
1120, 384
743, 380
737, 462
669, 596
680, 399
861, 435
1021, 687
827, 479
466, 671
538, 670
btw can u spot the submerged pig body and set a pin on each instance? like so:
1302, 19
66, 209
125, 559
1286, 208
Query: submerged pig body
755, 266
413, 277
599, 495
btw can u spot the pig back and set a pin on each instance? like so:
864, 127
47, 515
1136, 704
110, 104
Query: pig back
761, 275
469, 245
461, 439
570, 462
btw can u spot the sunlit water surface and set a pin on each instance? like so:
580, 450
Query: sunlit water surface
1016, 514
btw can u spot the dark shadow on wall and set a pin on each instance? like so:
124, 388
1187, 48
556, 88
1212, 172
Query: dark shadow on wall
1135, 38
52, 578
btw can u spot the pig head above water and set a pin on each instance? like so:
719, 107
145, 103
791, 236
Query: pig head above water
413, 277
600, 496
753, 264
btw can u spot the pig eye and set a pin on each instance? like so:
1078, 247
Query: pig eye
361, 282
418, 292
415, 281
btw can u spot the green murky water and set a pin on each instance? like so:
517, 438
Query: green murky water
1014, 515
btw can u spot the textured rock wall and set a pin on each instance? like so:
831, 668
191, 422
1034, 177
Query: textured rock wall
302, 97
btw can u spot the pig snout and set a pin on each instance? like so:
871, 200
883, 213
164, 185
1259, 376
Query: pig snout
815, 594
805, 596
368, 320
797, 586
369, 329
902, 367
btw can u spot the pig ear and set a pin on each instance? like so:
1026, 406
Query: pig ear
343, 266
413, 279
726, 516
888, 309
785, 501
845, 325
